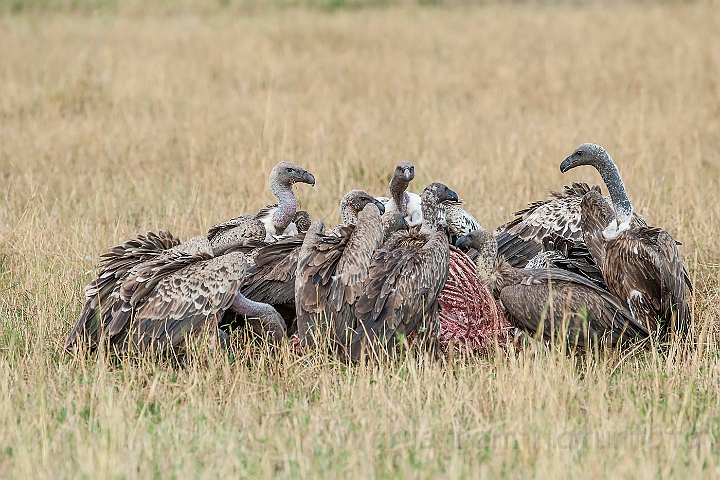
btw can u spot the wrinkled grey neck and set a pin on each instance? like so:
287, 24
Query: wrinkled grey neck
348, 213
431, 211
611, 176
250, 308
398, 185
486, 258
287, 205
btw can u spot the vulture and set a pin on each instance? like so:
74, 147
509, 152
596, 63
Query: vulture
331, 269
471, 321
399, 296
151, 298
453, 217
458, 221
555, 303
273, 220
272, 278
401, 200
639, 263
568, 254
521, 239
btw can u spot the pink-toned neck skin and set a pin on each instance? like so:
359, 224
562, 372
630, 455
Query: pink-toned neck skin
250, 308
287, 205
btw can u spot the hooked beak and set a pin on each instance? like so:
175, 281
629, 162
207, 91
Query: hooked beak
380, 206
407, 174
307, 177
460, 241
451, 195
567, 164
406, 225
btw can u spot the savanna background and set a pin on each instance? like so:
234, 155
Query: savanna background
120, 117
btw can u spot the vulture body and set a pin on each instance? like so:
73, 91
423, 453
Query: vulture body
272, 220
640, 264
180, 292
400, 295
331, 269
522, 238
557, 303
458, 221
117, 263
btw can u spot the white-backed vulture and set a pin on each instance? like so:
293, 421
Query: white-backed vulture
640, 264
270, 221
399, 296
158, 301
272, 279
407, 203
557, 303
331, 270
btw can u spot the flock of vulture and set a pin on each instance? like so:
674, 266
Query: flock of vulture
405, 269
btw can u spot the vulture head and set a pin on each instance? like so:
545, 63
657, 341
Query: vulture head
432, 213
393, 222
404, 171
486, 245
586, 154
354, 202
286, 174
596, 156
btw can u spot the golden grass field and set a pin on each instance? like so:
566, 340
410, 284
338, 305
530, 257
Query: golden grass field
115, 123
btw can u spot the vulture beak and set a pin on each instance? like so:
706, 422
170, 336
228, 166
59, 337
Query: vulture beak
406, 224
380, 206
460, 241
407, 174
567, 164
307, 177
451, 195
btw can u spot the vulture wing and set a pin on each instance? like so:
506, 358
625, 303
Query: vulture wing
400, 294
178, 299
521, 239
115, 265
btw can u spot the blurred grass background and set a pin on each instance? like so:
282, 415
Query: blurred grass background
171, 115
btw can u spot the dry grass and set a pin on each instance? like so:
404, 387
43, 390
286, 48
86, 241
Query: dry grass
112, 125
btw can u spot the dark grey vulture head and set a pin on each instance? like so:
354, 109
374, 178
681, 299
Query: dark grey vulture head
486, 245
354, 202
586, 154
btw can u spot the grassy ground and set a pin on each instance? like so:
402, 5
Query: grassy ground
111, 125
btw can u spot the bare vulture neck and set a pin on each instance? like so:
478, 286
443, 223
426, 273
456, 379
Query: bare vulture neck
250, 308
287, 205
432, 213
347, 213
398, 185
611, 176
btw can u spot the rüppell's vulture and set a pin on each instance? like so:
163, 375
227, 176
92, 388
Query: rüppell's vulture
159, 302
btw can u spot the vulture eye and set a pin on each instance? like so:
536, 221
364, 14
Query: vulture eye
578, 154
289, 170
